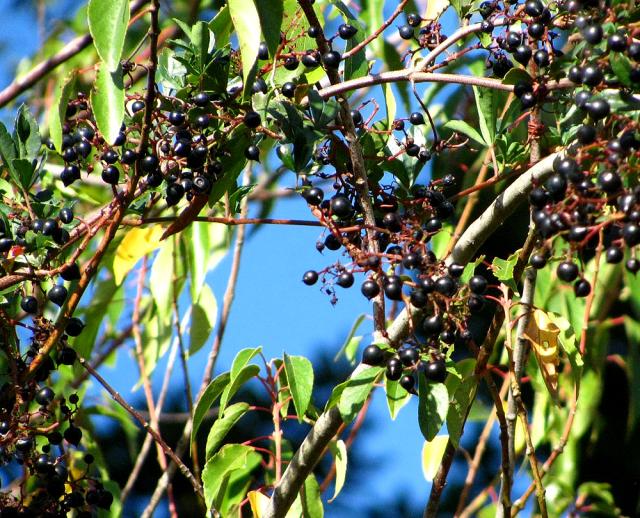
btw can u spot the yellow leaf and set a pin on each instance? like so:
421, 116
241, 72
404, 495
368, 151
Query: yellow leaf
435, 8
258, 503
432, 453
137, 243
543, 334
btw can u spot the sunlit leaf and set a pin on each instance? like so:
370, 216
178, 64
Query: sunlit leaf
339, 451
300, 379
108, 20
137, 242
223, 425
432, 452
107, 101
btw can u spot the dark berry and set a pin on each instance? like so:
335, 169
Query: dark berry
310, 277
331, 59
57, 295
582, 288
345, 280
373, 355
67, 356
445, 285
534, 8
202, 121
416, 118
341, 206
541, 58
432, 325
174, 193
252, 119
177, 118
73, 435
137, 106
263, 51
538, 261
586, 134
111, 175
370, 289
406, 32
592, 75
332, 242
631, 234
74, 326
357, 117
475, 303
310, 60
393, 290
29, 304
291, 63
66, 215
528, 100
394, 369
478, 284
592, 33
24, 444
522, 54
617, 42
252, 153
313, 196
45, 396
409, 356
347, 31
610, 182
536, 30
414, 20
614, 254
436, 371
455, 270
71, 273
201, 99
567, 271
408, 382
288, 89
419, 298
598, 109
49, 227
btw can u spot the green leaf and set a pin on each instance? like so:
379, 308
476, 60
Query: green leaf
57, 115
107, 100
356, 391
351, 343
8, 149
487, 113
621, 67
219, 468
221, 27
27, 134
466, 129
246, 21
308, 503
223, 425
244, 375
23, 172
390, 104
242, 359
432, 452
462, 7
108, 20
397, 397
323, 112
200, 41
433, 404
203, 319
299, 372
462, 397
503, 270
271, 12
210, 394
339, 451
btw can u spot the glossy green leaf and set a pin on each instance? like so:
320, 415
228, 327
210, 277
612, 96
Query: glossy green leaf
356, 392
200, 40
108, 20
246, 22
397, 397
458, 408
242, 359
8, 149
221, 27
433, 404
107, 100
203, 319
339, 451
219, 469
26, 134
487, 106
64, 91
390, 104
308, 504
300, 379
432, 452
621, 67
209, 396
503, 270
270, 13
466, 129
244, 375
223, 425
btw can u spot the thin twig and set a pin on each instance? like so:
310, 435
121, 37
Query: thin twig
165, 447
